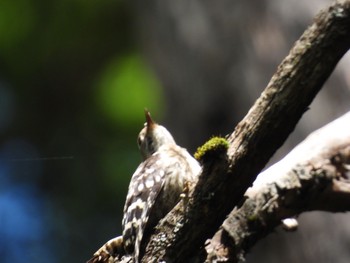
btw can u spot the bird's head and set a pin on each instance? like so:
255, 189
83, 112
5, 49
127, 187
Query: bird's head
152, 137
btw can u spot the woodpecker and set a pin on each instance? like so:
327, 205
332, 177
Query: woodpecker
155, 188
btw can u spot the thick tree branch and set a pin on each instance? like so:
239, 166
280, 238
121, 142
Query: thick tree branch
314, 176
269, 122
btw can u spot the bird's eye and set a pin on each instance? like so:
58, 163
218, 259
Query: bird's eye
150, 145
139, 141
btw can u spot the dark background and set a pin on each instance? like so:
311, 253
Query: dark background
75, 77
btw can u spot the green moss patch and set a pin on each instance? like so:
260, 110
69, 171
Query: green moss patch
214, 146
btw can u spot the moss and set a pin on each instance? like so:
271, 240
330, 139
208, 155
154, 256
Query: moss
214, 146
252, 218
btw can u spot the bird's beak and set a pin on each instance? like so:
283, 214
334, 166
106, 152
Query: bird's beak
149, 122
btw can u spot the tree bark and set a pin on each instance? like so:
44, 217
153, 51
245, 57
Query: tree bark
269, 122
313, 176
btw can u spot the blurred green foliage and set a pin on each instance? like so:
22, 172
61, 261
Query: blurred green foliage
77, 86
126, 86
14, 28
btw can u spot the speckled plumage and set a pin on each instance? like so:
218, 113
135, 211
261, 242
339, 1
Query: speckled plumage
154, 189
156, 185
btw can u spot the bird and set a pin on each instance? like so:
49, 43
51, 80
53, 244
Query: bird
155, 188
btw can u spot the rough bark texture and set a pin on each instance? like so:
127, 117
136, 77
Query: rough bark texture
314, 176
273, 117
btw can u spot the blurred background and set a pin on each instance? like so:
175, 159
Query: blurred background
75, 77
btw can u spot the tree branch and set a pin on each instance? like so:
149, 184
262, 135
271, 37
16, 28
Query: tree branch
314, 176
269, 122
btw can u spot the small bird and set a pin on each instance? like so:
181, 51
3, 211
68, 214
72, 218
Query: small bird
155, 188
